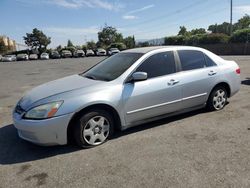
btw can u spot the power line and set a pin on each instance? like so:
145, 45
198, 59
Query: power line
186, 21
178, 11
161, 25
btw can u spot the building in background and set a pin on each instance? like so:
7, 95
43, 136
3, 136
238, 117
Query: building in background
8, 43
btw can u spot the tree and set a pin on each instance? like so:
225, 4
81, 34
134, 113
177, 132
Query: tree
183, 30
70, 44
118, 37
129, 42
220, 28
59, 48
175, 40
84, 47
143, 44
109, 35
78, 47
198, 31
91, 45
37, 39
118, 45
243, 22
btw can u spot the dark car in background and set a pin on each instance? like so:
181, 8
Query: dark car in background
55, 55
22, 57
66, 54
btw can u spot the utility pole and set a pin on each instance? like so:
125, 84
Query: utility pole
231, 17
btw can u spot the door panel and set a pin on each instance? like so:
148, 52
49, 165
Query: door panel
150, 98
196, 85
197, 80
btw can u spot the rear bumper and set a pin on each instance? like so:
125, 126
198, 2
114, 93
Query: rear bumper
46, 132
235, 85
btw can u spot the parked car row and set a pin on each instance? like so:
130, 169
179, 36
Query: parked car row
57, 55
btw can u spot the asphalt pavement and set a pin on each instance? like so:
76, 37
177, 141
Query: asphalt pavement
197, 149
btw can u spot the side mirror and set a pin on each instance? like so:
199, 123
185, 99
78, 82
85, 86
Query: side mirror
139, 76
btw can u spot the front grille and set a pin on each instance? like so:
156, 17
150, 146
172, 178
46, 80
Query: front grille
19, 109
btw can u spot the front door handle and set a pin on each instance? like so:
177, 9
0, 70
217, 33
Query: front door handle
211, 73
173, 82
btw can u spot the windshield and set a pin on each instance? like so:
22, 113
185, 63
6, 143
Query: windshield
112, 67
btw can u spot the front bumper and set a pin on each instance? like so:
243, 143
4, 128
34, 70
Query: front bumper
46, 132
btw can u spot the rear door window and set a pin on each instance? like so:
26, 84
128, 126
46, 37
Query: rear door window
209, 61
191, 59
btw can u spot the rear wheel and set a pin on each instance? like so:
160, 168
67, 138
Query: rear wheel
93, 128
217, 99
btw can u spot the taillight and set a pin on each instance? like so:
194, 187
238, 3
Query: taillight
238, 71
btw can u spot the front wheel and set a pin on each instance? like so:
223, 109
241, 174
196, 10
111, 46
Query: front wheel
217, 99
93, 128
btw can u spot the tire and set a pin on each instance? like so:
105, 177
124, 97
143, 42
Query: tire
93, 128
217, 99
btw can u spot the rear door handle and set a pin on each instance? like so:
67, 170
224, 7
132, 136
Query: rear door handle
211, 73
173, 82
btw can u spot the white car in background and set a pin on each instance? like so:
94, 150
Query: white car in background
9, 58
90, 52
33, 57
44, 56
113, 51
79, 53
100, 52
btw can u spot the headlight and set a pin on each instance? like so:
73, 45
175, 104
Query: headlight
43, 111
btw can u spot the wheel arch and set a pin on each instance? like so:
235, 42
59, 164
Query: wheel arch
102, 106
225, 85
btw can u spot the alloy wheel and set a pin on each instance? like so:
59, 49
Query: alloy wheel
219, 99
96, 130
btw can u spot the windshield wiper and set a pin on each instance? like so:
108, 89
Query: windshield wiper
90, 77
95, 78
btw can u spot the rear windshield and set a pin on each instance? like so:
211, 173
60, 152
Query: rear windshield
112, 67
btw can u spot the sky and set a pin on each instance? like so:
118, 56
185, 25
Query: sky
80, 20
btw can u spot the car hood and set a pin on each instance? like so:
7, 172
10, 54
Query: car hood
56, 87
3, 58
101, 51
114, 51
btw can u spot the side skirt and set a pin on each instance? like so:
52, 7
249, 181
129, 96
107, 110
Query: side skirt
136, 123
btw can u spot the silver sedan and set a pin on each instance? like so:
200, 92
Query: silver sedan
127, 89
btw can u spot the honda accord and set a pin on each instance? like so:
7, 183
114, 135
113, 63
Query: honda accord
130, 88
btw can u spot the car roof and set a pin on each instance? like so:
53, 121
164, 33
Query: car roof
145, 50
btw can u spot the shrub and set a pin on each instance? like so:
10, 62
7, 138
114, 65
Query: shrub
240, 36
214, 38
175, 40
